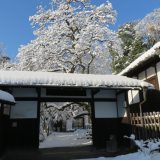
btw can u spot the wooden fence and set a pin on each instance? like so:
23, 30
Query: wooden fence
145, 125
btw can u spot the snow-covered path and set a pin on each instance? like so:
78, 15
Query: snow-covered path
79, 138
132, 156
64, 139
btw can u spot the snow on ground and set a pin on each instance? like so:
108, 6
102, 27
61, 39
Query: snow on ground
67, 139
79, 137
131, 156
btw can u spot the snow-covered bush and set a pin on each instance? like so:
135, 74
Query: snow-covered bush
83, 133
146, 146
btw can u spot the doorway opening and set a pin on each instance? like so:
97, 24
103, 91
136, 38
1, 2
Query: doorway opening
65, 124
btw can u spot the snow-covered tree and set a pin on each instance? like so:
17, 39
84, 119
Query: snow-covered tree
137, 37
149, 28
71, 36
132, 45
5, 62
55, 115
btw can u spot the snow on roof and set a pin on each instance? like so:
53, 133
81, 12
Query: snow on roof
30, 78
144, 57
81, 114
6, 97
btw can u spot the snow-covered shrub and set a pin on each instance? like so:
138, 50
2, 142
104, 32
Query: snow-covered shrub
146, 146
83, 133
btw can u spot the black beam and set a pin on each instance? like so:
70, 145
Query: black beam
64, 99
38, 116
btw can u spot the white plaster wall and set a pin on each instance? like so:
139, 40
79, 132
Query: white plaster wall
150, 72
24, 109
106, 94
105, 110
69, 123
86, 120
141, 75
121, 105
130, 99
24, 92
133, 96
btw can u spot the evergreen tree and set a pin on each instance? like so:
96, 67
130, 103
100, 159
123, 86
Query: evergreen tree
137, 37
132, 45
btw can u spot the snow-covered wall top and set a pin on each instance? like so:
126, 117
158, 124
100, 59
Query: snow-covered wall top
144, 57
29, 78
5, 96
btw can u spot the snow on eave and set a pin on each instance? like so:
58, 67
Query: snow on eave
30, 78
144, 57
81, 114
5, 97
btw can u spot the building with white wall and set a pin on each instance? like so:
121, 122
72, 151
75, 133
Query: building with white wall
107, 95
147, 68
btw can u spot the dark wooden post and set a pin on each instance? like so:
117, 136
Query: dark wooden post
38, 116
93, 118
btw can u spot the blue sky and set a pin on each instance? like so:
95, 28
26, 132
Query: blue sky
15, 29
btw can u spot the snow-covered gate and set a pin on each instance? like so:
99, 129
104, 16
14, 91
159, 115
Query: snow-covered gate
106, 93
108, 111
